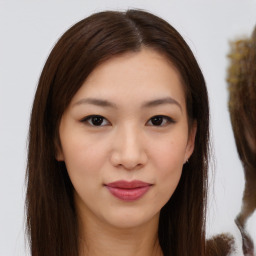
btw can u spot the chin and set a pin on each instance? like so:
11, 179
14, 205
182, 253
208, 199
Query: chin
126, 218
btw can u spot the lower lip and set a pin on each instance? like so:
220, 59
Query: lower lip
128, 194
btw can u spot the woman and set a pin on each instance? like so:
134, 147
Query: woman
118, 142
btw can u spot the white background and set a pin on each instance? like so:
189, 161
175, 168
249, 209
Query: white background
28, 31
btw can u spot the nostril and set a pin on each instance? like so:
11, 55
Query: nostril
128, 148
128, 161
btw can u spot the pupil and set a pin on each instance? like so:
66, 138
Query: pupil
157, 120
97, 120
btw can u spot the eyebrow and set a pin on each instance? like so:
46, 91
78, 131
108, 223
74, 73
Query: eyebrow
166, 100
148, 104
97, 102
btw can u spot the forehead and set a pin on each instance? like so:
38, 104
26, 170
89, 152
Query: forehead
134, 76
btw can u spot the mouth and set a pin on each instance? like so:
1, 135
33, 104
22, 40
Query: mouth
128, 190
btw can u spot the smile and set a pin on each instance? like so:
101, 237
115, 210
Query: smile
128, 190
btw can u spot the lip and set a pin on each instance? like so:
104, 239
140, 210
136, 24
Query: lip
128, 190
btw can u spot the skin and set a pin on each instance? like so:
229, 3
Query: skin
127, 145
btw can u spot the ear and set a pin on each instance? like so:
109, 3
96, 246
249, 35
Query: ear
58, 151
59, 156
191, 141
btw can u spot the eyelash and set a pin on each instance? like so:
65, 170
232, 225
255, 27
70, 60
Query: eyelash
168, 120
88, 119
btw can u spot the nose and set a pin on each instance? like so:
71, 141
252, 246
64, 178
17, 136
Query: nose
128, 149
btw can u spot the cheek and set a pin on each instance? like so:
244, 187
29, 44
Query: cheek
168, 160
169, 154
83, 159
84, 163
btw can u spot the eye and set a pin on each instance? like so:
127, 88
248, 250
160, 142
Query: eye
95, 120
160, 120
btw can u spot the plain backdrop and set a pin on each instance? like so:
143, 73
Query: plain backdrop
28, 32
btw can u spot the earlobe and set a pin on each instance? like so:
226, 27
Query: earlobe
58, 152
191, 141
59, 156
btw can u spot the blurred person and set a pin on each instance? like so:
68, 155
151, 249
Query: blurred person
242, 106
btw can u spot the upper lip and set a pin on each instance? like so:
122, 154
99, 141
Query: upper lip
128, 184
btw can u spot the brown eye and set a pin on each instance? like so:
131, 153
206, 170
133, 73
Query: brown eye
157, 120
160, 120
95, 120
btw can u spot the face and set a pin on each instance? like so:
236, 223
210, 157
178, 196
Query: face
124, 139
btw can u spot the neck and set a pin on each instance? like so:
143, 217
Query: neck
97, 239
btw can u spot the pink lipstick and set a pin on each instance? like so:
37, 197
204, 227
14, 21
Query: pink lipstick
128, 190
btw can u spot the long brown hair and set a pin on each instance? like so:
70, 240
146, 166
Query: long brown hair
51, 216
